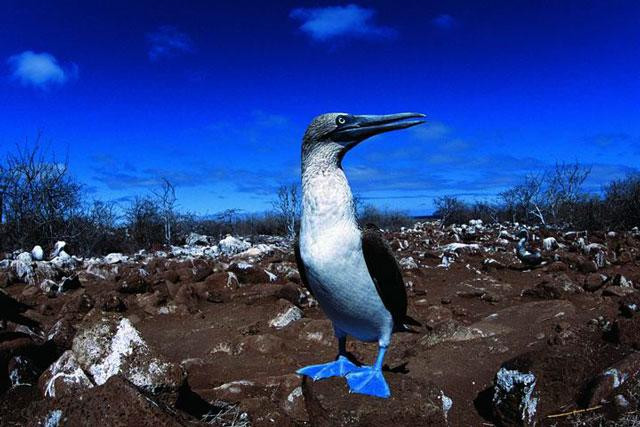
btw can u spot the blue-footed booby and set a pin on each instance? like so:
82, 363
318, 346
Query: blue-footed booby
351, 272
528, 256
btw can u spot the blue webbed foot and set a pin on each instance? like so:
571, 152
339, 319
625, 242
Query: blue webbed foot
338, 368
368, 380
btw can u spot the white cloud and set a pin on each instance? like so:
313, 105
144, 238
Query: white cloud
325, 23
40, 70
168, 42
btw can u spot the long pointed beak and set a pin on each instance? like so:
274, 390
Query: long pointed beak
366, 126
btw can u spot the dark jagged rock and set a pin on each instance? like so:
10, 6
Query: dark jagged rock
603, 386
134, 282
116, 402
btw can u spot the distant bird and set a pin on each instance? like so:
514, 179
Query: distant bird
528, 256
11, 310
352, 273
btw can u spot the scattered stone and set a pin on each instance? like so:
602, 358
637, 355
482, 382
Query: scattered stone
593, 282
113, 303
587, 266
290, 314
61, 334
116, 402
64, 377
195, 239
602, 387
22, 266
134, 282
515, 398
246, 273
256, 252
408, 263
490, 264
264, 344
115, 258
460, 247
617, 291
231, 245
555, 287
436, 315
110, 346
37, 254
22, 371
556, 267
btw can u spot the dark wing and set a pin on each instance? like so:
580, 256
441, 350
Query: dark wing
529, 257
386, 275
301, 270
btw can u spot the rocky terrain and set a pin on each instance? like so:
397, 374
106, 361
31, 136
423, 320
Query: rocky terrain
212, 332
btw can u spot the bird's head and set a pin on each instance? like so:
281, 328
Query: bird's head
523, 234
333, 134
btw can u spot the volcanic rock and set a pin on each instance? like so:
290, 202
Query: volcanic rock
116, 402
288, 314
134, 282
231, 245
110, 345
515, 398
603, 386
412, 402
195, 239
64, 377
37, 254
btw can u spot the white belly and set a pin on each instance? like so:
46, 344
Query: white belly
340, 281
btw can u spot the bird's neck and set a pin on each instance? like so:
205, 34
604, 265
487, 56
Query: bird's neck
327, 201
522, 246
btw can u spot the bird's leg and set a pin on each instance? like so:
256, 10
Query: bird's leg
369, 379
338, 368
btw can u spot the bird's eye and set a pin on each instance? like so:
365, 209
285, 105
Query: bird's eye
341, 120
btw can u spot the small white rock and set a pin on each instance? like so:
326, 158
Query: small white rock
37, 253
282, 320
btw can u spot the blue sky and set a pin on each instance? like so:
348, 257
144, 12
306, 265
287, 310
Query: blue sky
215, 96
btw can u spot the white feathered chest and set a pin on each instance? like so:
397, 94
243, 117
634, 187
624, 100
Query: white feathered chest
331, 249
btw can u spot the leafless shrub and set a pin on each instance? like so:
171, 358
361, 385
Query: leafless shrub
143, 219
287, 205
523, 201
384, 218
563, 191
451, 210
38, 198
549, 198
622, 202
166, 200
101, 231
